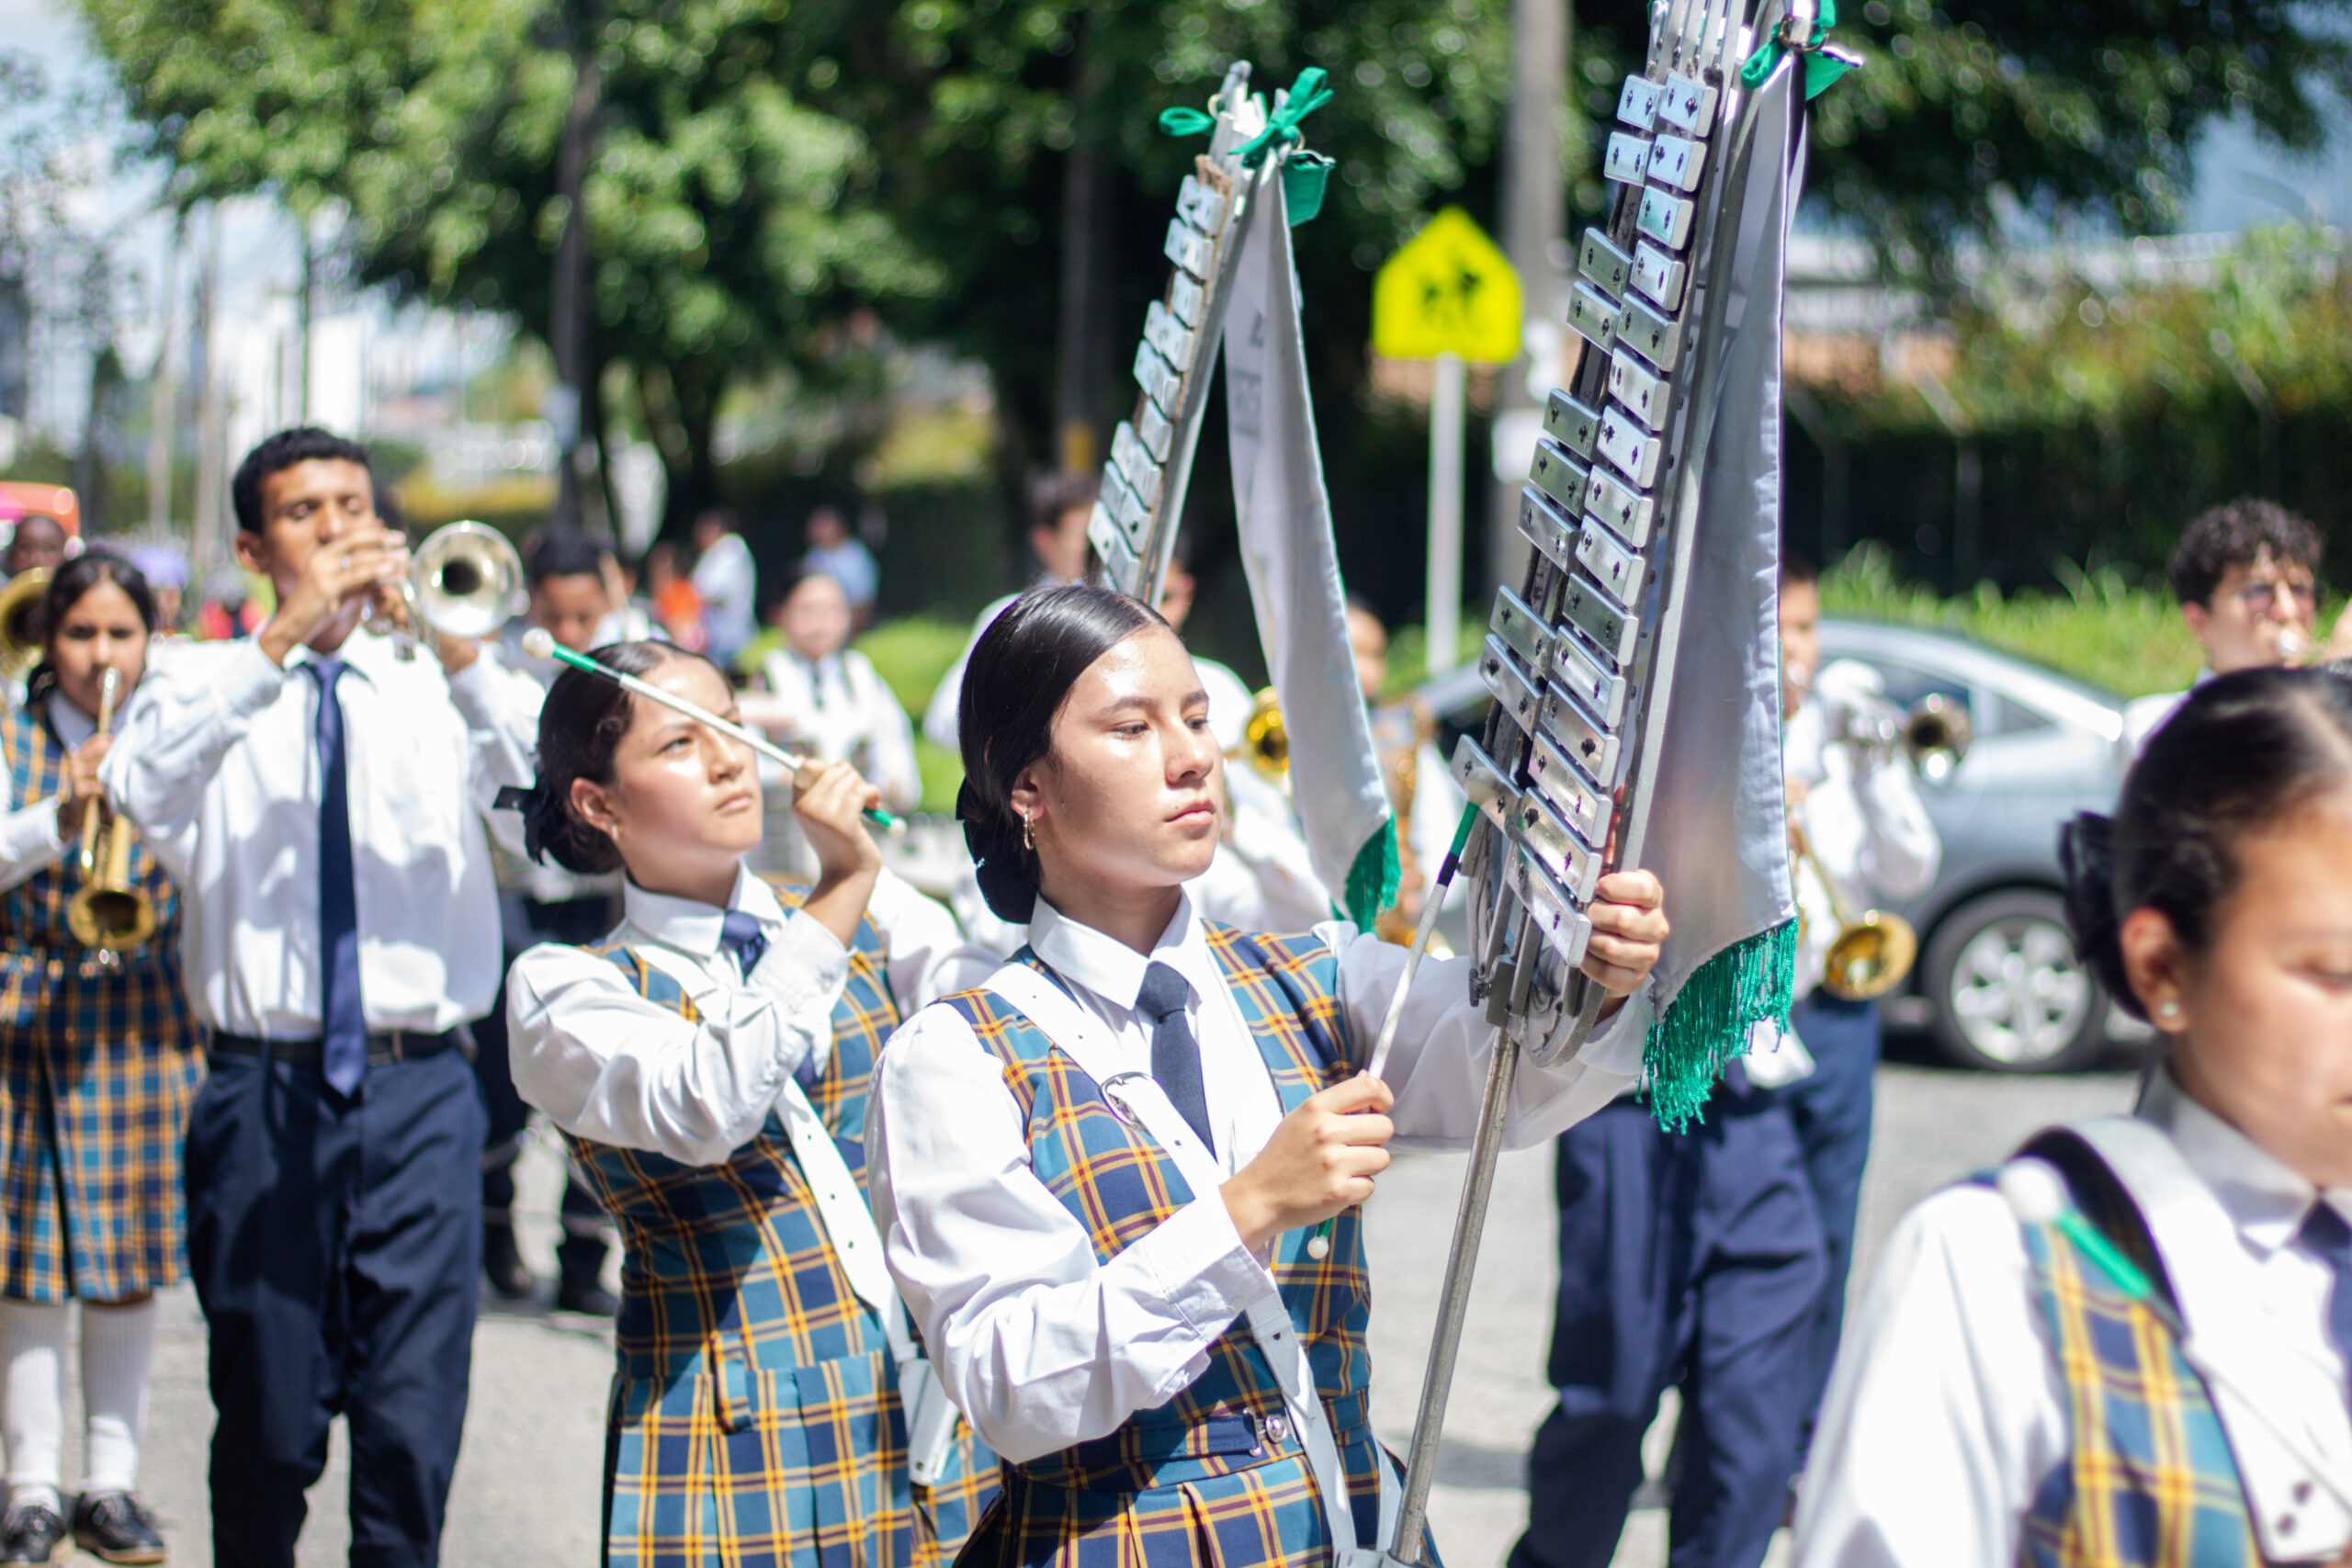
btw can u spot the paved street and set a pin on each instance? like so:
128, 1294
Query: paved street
527, 1490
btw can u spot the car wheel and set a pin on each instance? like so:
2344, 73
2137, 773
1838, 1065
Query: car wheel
2005, 992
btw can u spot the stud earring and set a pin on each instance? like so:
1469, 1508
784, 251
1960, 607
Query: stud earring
1028, 834
2168, 1010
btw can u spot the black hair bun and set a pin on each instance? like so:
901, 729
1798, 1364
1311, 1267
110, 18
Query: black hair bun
1008, 877
2087, 854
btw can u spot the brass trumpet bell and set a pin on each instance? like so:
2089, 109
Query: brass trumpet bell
466, 580
20, 623
1937, 733
1266, 744
1871, 956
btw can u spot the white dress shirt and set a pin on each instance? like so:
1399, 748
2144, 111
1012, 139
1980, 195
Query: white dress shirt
610, 1067
1866, 824
728, 583
839, 709
223, 744
1043, 1346
1948, 1409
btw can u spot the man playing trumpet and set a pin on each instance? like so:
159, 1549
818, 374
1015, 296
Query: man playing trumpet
2246, 575
342, 929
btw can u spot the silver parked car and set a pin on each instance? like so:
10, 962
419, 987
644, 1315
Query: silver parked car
1996, 984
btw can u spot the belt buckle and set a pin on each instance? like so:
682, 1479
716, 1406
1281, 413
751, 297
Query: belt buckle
1273, 1429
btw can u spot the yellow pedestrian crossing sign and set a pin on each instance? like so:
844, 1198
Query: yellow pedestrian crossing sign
1447, 291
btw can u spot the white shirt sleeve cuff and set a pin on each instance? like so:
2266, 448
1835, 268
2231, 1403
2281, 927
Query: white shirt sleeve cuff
807, 968
1197, 1261
29, 842
1617, 1046
249, 683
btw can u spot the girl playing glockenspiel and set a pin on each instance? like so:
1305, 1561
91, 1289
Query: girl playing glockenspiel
1097, 1174
708, 1063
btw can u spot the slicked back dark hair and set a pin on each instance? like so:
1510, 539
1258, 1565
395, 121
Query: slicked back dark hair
2244, 751
2238, 535
303, 444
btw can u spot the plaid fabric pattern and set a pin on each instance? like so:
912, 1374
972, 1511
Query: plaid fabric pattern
1203, 1478
754, 1418
2150, 1482
98, 1067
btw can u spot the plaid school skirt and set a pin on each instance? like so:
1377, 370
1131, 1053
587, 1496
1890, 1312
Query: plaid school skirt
96, 1083
802, 1466
1181, 1513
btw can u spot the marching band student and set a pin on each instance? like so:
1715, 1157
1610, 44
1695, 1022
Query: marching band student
1096, 1173
570, 601
342, 929
708, 1063
2129, 1346
825, 695
100, 1060
2246, 575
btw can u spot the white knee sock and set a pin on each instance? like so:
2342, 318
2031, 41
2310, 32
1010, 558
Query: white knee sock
118, 1347
32, 1401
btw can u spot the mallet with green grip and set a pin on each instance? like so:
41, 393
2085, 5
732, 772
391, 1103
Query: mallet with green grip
541, 644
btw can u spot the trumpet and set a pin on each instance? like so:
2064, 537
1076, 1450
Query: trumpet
106, 912
1872, 950
464, 581
1266, 744
1933, 733
20, 623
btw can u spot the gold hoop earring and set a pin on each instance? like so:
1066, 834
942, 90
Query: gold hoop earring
1028, 834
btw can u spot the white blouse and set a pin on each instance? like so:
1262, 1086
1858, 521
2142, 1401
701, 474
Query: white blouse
611, 1067
1948, 1408
1041, 1346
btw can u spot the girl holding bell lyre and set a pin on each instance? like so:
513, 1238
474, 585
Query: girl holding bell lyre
1097, 1174
2129, 1345
99, 1063
708, 1063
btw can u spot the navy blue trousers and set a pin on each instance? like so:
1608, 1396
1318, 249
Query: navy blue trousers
1831, 1109
527, 922
1688, 1260
336, 1247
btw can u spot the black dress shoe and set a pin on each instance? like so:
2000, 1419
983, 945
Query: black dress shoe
34, 1532
114, 1526
591, 1298
509, 1276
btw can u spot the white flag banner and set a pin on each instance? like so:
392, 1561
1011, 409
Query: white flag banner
1718, 832
1294, 568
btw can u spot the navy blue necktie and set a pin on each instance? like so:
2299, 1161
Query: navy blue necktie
342, 1020
1175, 1055
2326, 1234
740, 934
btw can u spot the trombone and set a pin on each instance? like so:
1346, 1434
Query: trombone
106, 912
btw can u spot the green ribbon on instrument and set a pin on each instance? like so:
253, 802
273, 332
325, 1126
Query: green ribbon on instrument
1305, 174
1824, 63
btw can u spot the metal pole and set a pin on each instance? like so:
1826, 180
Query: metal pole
1469, 1225
1448, 412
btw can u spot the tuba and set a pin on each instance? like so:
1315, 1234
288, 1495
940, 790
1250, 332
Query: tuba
20, 623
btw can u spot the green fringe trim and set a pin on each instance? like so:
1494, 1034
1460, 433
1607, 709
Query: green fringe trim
1371, 880
1706, 1028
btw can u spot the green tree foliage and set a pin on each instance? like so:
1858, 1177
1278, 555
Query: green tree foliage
731, 221
2039, 112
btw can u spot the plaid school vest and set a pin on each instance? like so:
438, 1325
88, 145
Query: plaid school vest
1118, 1183
756, 1418
2148, 1480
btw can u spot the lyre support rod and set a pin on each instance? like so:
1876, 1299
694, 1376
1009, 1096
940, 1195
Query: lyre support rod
541, 644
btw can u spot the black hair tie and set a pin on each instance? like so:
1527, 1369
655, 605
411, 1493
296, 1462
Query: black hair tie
1006, 879
542, 814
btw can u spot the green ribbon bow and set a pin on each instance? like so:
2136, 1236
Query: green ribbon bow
1824, 62
1306, 95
